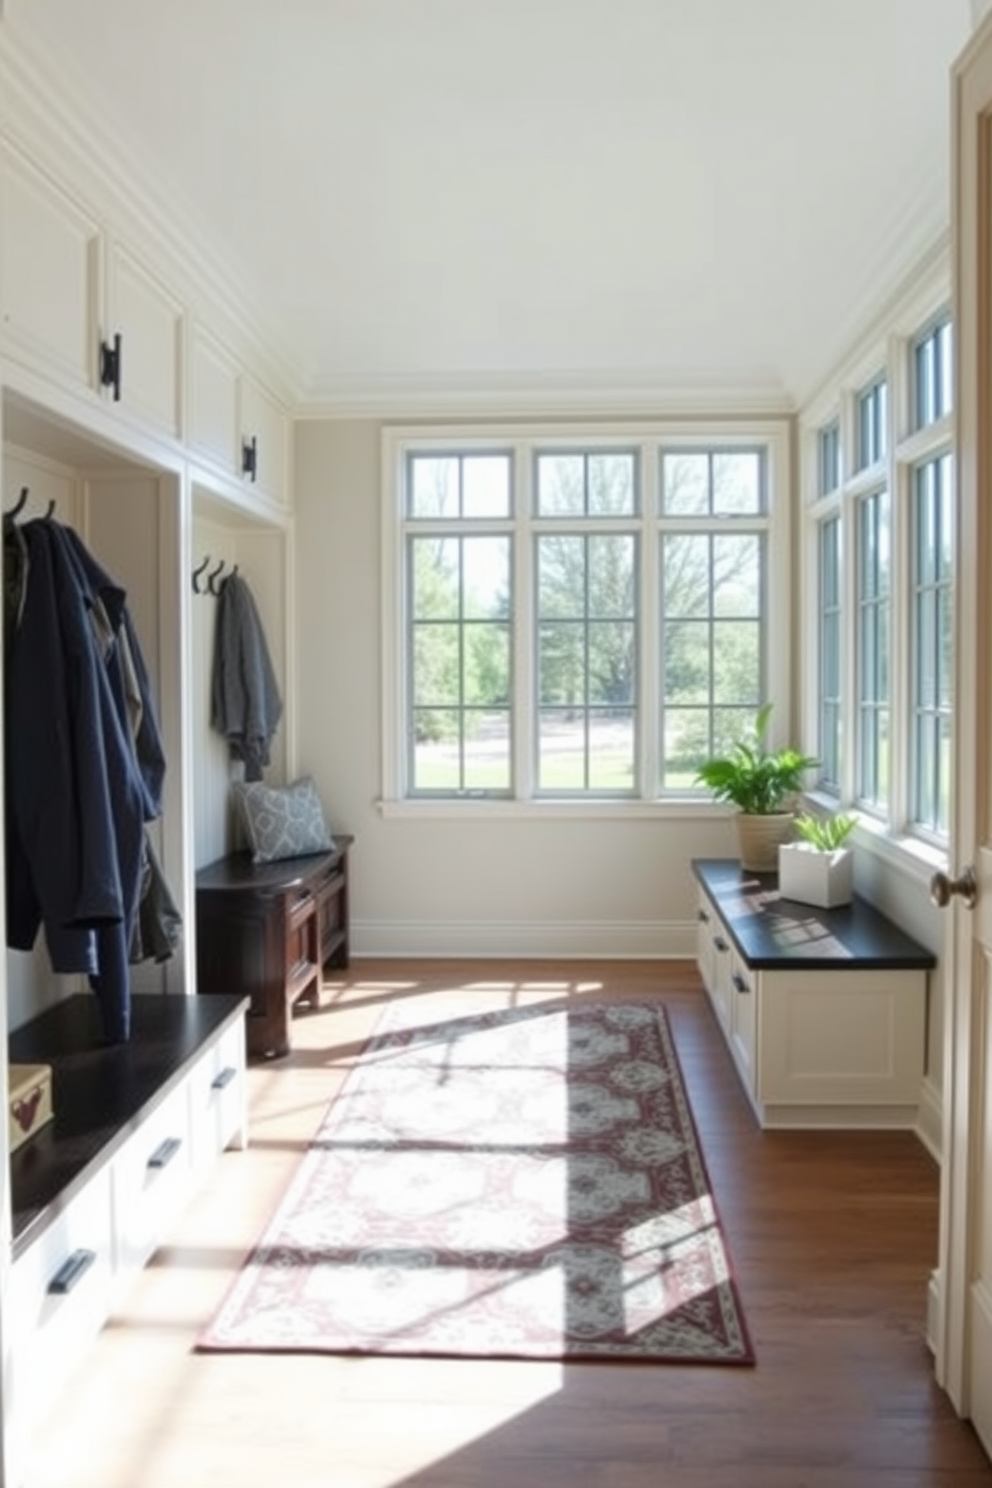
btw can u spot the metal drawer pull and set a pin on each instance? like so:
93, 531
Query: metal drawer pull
739, 982
164, 1154
71, 1271
224, 1078
720, 943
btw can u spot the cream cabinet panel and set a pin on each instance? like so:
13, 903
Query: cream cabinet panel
50, 253
151, 1181
213, 401
218, 1099
265, 433
744, 1022
149, 322
60, 1293
842, 1038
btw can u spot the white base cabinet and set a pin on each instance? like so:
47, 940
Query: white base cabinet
823, 1011
136, 1127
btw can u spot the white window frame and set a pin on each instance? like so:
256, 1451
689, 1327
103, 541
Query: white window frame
397, 441
889, 351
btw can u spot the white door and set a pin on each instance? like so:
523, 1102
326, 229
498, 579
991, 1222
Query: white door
964, 1348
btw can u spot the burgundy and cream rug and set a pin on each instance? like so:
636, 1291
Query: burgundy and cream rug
524, 1183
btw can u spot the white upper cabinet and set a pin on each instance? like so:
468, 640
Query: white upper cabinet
80, 309
143, 329
213, 401
50, 252
234, 422
264, 440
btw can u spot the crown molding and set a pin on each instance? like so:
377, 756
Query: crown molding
45, 112
544, 395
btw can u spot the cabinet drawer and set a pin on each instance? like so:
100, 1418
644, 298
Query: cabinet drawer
217, 1097
59, 1298
151, 1181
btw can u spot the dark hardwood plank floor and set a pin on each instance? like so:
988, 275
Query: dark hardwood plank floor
833, 1236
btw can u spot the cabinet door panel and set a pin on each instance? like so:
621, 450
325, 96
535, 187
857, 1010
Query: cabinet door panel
213, 407
264, 422
49, 273
151, 1180
150, 323
52, 1328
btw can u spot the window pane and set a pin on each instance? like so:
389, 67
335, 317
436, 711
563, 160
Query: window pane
486, 577
433, 486
737, 484
737, 575
737, 662
612, 485
686, 575
611, 575
688, 662
437, 761
828, 446
561, 751
560, 485
611, 752
486, 486
434, 577
487, 751
685, 485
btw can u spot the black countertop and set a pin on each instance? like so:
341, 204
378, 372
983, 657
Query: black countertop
101, 1092
773, 933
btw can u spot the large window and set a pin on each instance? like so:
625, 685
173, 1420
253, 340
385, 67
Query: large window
880, 692
583, 618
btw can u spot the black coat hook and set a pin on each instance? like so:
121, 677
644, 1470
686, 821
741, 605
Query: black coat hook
18, 506
211, 586
50, 512
196, 576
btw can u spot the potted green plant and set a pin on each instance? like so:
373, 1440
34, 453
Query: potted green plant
763, 784
818, 869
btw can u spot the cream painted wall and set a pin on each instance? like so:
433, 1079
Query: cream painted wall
555, 887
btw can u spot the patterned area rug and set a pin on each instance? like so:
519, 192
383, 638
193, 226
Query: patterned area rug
524, 1183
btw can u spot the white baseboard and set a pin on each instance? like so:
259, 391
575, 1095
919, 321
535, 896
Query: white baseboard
647, 940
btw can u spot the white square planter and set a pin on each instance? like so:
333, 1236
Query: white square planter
825, 879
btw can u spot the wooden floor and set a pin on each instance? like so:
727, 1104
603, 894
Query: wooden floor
833, 1237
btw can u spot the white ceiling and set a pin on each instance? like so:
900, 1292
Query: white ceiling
488, 196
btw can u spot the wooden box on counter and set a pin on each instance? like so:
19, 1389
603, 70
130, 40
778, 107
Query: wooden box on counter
268, 930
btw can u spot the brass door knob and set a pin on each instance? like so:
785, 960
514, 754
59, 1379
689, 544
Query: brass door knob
943, 887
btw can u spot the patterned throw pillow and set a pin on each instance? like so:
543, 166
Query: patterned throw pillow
283, 821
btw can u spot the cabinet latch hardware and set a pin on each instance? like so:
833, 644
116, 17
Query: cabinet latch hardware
249, 457
71, 1271
110, 365
165, 1152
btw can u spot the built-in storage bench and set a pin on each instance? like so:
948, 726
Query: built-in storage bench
269, 930
823, 1010
136, 1126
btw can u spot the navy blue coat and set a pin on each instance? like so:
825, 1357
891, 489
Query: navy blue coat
79, 787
